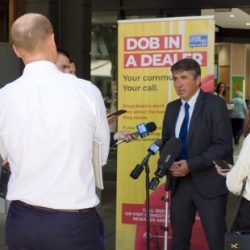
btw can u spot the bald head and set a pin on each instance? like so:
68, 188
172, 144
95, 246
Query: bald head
32, 34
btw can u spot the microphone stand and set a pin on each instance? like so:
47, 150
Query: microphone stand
147, 205
135, 174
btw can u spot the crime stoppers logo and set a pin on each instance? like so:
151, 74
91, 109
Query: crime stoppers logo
198, 40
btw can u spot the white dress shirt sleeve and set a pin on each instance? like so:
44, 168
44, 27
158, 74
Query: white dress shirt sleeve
240, 170
3, 151
102, 133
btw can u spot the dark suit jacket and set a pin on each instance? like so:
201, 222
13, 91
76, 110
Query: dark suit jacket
112, 141
209, 138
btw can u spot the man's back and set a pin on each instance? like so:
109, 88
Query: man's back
48, 123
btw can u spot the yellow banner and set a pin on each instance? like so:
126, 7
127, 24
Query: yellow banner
147, 50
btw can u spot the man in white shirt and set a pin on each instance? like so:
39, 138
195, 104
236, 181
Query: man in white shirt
48, 123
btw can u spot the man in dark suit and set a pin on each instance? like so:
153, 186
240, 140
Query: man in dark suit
192, 179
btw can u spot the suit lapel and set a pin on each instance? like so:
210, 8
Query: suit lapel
194, 118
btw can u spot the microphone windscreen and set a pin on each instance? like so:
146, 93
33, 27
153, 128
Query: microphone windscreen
151, 126
168, 155
172, 147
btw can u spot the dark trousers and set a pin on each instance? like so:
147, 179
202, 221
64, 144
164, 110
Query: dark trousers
28, 228
237, 127
186, 200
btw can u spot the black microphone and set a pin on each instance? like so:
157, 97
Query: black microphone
152, 150
168, 155
142, 130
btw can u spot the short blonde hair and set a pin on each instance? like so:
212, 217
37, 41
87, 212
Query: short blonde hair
29, 31
238, 94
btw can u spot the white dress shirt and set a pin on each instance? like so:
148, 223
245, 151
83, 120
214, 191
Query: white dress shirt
181, 115
48, 121
240, 170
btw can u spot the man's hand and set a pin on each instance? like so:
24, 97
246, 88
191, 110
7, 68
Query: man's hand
221, 171
179, 168
124, 135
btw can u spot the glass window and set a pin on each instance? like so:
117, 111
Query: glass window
104, 57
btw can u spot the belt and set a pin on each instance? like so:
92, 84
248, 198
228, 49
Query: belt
47, 209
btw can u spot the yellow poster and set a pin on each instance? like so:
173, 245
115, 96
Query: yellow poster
147, 50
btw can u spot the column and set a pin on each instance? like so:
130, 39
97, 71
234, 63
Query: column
75, 33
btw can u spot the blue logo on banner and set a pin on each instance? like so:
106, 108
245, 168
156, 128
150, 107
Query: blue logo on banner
198, 40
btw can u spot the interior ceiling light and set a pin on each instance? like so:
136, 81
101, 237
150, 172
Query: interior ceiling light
248, 23
232, 15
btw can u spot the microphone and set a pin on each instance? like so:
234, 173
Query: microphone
142, 130
169, 153
152, 150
